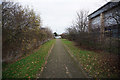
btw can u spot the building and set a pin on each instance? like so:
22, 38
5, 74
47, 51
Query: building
106, 20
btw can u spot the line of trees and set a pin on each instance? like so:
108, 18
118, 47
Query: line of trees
78, 32
22, 31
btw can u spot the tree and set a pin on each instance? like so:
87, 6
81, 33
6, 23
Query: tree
81, 21
79, 27
55, 34
21, 30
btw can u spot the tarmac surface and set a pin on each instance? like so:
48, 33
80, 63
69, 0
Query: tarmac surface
60, 64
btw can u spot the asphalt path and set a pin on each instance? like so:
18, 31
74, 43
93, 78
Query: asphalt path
60, 64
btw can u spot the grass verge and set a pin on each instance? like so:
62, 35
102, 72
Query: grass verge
94, 63
29, 65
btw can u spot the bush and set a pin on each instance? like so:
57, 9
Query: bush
21, 30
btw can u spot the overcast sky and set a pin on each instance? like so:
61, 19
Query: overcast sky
59, 14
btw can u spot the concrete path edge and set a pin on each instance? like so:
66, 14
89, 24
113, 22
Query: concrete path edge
46, 58
71, 54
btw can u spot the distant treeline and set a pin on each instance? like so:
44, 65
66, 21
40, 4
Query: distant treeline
22, 31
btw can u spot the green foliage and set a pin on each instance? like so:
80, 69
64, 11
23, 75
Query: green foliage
29, 65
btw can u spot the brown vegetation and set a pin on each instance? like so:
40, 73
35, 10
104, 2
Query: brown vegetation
107, 47
21, 30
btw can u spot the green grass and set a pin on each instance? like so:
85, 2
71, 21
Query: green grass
90, 61
29, 65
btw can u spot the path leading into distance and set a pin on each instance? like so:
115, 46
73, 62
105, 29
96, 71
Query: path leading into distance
60, 64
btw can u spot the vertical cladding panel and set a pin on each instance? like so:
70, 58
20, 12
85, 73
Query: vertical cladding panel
89, 25
95, 22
